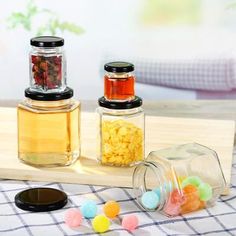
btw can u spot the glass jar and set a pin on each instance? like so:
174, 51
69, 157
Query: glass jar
121, 132
49, 129
121, 123
119, 81
48, 119
179, 180
47, 64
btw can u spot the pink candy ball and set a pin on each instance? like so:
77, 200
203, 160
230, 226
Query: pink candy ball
130, 222
73, 218
172, 209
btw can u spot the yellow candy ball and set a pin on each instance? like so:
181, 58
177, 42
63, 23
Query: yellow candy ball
100, 224
111, 209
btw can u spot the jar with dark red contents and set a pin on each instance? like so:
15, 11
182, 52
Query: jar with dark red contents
48, 118
119, 81
47, 64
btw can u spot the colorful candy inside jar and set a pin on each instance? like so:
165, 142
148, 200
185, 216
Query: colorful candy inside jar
47, 64
179, 180
189, 197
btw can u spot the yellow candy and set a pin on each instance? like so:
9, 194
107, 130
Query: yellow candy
100, 224
122, 143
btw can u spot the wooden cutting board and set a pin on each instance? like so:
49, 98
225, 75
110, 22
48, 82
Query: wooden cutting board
161, 132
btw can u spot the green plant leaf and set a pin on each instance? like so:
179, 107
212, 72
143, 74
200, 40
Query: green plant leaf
71, 27
18, 18
41, 30
231, 5
52, 26
32, 9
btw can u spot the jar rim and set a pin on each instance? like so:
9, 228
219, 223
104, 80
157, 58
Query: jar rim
47, 41
136, 102
55, 96
160, 179
119, 66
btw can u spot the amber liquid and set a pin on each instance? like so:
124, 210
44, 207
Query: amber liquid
48, 138
119, 88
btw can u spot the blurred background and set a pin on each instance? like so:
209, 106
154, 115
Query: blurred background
182, 49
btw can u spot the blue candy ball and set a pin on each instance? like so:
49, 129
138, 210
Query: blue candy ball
168, 186
150, 200
158, 192
89, 209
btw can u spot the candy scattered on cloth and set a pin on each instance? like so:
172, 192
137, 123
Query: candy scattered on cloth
111, 209
73, 218
130, 222
89, 209
100, 224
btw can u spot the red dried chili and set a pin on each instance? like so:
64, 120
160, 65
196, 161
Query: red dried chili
47, 71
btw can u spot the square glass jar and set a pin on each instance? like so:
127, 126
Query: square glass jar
49, 132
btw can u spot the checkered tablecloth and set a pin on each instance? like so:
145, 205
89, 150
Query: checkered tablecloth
218, 220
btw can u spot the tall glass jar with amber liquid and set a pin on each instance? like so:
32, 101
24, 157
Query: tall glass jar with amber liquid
49, 118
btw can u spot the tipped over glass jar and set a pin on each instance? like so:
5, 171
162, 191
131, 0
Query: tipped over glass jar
179, 180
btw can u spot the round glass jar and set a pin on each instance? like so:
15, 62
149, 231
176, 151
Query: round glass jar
121, 131
47, 64
179, 180
119, 81
49, 129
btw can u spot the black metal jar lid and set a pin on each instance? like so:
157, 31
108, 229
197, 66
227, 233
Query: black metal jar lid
56, 96
134, 103
118, 67
47, 41
41, 199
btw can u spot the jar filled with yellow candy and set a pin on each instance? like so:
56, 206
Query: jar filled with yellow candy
121, 118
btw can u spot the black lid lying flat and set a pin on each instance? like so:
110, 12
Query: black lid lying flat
41, 199
47, 41
119, 67
67, 93
136, 102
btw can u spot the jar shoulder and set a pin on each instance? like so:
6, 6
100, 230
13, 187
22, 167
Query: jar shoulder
72, 105
117, 112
